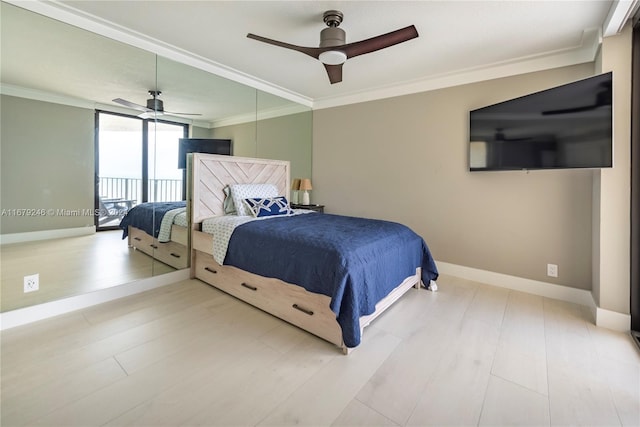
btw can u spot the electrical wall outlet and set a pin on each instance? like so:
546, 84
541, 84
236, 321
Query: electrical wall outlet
552, 270
31, 283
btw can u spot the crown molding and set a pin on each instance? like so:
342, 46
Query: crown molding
44, 96
586, 51
619, 13
41, 95
261, 115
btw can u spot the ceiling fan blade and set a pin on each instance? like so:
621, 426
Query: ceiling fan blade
181, 114
131, 105
515, 139
379, 42
334, 69
571, 110
150, 110
334, 72
314, 52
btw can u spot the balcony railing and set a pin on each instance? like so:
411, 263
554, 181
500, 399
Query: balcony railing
160, 190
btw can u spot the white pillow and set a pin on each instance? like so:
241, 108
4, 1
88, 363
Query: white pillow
239, 192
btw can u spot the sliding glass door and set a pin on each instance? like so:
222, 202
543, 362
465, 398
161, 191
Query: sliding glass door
119, 153
136, 161
165, 179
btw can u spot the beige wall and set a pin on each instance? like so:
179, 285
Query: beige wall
243, 137
613, 229
283, 138
287, 138
199, 132
47, 162
405, 159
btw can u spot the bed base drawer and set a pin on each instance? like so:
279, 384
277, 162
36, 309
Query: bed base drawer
292, 303
171, 253
140, 240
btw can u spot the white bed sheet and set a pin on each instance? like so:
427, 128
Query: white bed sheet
175, 216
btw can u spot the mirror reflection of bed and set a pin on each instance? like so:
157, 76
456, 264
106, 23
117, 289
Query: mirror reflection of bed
160, 230
58, 111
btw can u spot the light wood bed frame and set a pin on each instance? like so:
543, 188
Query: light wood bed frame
292, 303
174, 253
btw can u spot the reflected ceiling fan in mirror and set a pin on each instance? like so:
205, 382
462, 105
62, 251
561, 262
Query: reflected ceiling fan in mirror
155, 106
604, 97
499, 136
334, 51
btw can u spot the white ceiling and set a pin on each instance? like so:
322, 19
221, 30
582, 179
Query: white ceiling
459, 42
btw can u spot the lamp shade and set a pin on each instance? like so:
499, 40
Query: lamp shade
295, 185
305, 184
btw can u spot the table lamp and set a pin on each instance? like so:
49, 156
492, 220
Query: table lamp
305, 185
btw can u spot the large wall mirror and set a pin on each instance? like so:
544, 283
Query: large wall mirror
58, 84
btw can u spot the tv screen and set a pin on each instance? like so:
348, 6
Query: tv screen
201, 145
569, 126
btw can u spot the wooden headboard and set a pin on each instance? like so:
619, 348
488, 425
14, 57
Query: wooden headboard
212, 172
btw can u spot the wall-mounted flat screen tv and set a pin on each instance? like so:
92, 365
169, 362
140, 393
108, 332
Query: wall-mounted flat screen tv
568, 126
201, 145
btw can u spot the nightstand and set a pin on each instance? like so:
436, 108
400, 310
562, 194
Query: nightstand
317, 208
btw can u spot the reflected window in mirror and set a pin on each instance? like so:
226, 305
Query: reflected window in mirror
136, 162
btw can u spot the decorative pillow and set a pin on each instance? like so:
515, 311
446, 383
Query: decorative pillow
239, 192
229, 207
269, 207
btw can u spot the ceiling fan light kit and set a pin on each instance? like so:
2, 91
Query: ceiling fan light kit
150, 114
332, 36
334, 51
333, 57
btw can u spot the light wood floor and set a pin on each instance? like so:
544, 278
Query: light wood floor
71, 266
187, 354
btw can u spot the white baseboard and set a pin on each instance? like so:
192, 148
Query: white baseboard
612, 319
33, 236
22, 316
536, 287
604, 318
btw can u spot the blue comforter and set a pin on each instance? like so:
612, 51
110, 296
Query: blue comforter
355, 261
148, 216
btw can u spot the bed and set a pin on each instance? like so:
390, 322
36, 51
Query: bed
160, 230
299, 266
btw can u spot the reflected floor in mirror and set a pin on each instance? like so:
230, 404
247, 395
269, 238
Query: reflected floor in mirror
71, 266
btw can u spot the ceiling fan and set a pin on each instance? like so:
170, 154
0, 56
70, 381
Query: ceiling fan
603, 99
154, 106
334, 51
